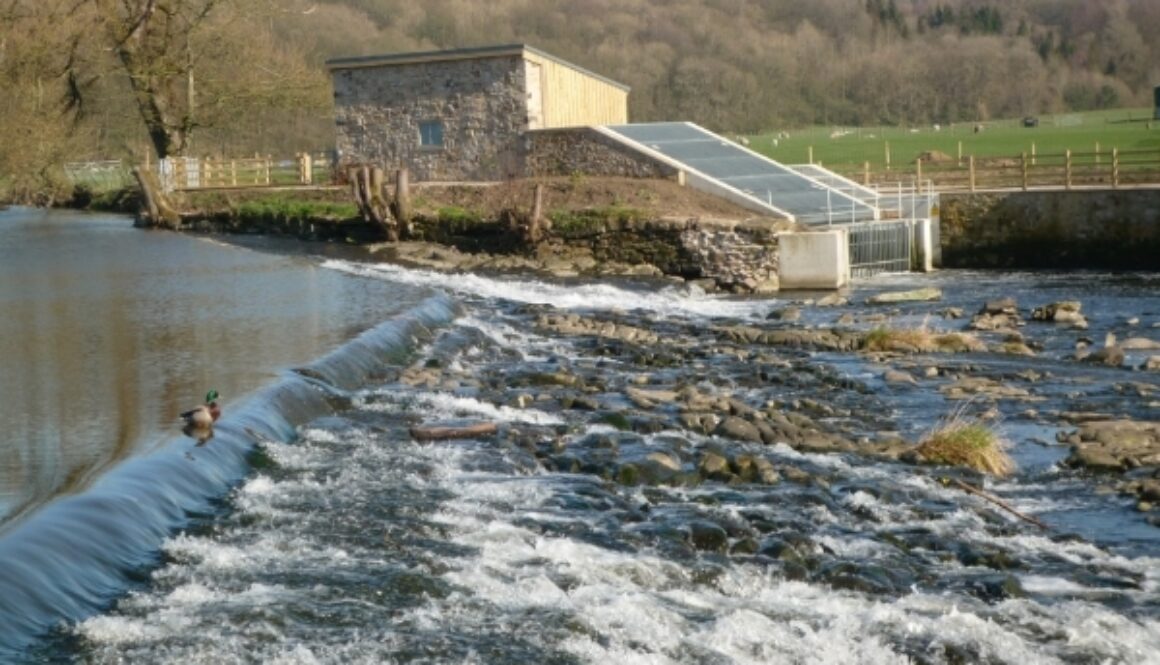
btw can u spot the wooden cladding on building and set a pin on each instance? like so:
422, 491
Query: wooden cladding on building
574, 98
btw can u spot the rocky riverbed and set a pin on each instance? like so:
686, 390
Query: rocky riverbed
647, 473
1035, 365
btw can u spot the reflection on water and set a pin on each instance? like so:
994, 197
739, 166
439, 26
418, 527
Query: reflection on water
108, 332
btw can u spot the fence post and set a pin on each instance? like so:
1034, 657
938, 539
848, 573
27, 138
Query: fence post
233, 173
960, 154
866, 173
1023, 167
305, 169
1033, 153
1097, 153
971, 171
1115, 167
887, 155
811, 155
1067, 169
918, 169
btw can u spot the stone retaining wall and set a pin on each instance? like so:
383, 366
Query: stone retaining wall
1061, 230
583, 150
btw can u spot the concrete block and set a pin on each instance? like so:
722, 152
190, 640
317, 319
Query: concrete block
923, 234
814, 259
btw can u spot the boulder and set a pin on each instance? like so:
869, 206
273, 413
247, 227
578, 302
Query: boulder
1115, 445
1002, 306
737, 428
1064, 311
916, 295
1139, 344
897, 376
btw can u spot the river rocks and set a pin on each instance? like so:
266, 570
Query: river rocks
818, 339
574, 324
715, 467
972, 387
915, 295
650, 399
899, 377
832, 300
737, 428
1152, 364
707, 536
1139, 344
1115, 445
997, 315
1065, 311
1111, 355
787, 315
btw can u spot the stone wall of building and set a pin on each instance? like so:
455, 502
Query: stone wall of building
481, 103
564, 152
1104, 229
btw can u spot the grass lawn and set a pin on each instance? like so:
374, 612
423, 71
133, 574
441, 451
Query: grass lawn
1125, 129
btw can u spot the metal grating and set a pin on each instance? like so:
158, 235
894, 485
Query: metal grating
877, 247
764, 181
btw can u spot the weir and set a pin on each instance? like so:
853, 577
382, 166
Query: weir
71, 558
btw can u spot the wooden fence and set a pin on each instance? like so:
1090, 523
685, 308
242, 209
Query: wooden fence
189, 173
1065, 170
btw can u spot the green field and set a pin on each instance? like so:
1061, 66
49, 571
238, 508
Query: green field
848, 148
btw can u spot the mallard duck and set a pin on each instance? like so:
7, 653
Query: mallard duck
204, 415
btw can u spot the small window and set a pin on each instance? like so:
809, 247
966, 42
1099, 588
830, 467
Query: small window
431, 133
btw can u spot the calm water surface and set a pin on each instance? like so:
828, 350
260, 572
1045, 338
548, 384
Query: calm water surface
107, 332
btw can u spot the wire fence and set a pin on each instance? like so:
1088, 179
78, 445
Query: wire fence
193, 173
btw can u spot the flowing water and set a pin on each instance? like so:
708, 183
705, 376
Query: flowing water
313, 528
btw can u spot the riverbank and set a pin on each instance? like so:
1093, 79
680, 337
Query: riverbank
591, 227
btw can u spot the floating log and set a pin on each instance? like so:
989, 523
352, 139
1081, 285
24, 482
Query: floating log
443, 432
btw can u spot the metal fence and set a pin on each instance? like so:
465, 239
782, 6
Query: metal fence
881, 246
99, 176
189, 173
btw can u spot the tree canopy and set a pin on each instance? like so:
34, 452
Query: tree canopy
122, 77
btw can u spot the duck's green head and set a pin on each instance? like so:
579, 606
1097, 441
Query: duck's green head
211, 396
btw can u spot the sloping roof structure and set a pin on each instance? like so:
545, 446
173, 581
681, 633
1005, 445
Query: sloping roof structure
714, 163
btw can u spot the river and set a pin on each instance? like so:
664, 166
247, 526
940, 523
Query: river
312, 528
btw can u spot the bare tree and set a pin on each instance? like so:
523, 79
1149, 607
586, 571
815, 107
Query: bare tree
152, 40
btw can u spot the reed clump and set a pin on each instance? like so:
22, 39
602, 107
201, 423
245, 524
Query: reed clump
960, 441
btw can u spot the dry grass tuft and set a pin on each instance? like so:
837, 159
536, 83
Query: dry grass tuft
960, 441
919, 340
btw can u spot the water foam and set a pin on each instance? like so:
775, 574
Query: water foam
666, 302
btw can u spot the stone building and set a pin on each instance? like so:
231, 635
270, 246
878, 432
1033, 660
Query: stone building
479, 114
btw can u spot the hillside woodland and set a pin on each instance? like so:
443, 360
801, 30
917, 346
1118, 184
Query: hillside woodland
126, 78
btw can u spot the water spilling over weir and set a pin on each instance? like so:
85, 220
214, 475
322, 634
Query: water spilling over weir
314, 528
